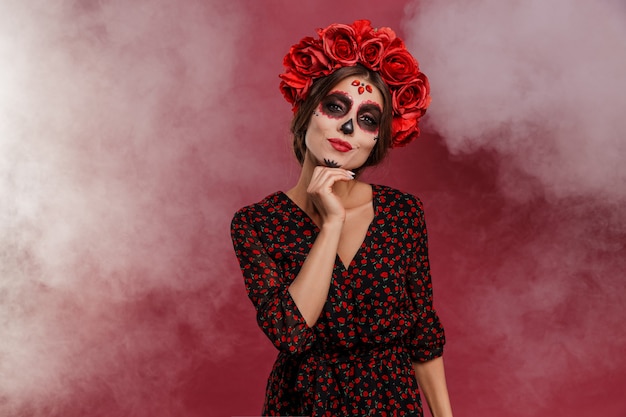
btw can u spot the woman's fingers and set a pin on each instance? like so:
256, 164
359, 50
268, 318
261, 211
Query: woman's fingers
321, 191
324, 178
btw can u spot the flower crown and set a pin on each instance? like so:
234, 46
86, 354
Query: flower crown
379, 50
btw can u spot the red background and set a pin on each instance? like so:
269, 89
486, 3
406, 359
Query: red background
134, 141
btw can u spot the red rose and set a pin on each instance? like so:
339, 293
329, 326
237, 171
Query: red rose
398, 66
294, 86
362, 29
412, 98
288, 92
307, 58
340, 44
373, 46
404, 131
386, 35
372, 52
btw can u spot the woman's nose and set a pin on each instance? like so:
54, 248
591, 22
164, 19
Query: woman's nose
347, 128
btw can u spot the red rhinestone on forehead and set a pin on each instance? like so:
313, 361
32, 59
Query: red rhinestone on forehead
362, 87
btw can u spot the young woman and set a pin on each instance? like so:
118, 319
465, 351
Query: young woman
337, 268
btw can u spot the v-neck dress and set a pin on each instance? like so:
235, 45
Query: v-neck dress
378, 317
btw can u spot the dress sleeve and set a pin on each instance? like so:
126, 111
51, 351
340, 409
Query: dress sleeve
277, 314
427, 337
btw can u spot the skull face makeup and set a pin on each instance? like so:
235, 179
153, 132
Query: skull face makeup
347, 127
344, 128
312, 60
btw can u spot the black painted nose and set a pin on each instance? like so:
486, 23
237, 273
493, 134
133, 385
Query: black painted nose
347, 128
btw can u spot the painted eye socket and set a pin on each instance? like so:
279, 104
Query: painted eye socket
368, 116
334, 107
369, 120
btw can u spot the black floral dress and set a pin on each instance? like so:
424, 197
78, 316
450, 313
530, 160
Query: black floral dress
378, 319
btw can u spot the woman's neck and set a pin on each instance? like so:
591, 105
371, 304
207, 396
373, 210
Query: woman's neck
344, 190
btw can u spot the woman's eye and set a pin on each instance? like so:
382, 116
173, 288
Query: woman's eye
369, 120
334, 107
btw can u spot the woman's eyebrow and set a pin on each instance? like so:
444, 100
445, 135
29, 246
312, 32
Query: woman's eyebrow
370, 105
341, 95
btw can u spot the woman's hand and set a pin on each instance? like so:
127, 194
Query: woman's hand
309, 289
320, 190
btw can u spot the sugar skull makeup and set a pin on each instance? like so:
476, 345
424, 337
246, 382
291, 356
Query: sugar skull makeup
338, 104
344, 128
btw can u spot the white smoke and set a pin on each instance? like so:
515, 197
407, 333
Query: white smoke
105, 220
539, 82
538, 88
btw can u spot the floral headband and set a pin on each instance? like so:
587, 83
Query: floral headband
379, 50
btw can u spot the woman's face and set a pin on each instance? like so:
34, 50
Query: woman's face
343, 129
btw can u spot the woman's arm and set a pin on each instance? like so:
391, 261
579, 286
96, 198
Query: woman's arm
309, 289
431, 379
287, 311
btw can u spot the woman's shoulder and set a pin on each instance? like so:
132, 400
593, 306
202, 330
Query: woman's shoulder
394, 197
272, 203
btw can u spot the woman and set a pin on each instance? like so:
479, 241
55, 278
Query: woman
337, 268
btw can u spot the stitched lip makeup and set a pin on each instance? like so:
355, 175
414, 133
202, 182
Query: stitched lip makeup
340, 145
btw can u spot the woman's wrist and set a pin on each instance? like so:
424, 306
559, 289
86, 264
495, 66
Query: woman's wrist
333, 224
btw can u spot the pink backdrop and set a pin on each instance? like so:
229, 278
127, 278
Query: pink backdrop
130, 134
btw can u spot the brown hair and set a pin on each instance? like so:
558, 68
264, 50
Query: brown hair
320, 89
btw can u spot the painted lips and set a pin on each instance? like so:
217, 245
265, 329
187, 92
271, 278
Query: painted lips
340, 145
